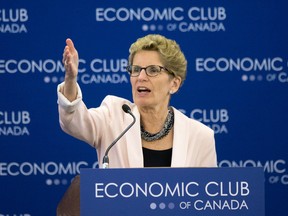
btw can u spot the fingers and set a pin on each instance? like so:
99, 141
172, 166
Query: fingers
65, 55
70, 44
70, 58
68, 51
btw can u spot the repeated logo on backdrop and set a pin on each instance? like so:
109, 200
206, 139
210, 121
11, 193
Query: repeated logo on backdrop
14, 123
270, 69
216, 119
13, 20
96, 71
51, 170
172, 19
103, 71
276, 170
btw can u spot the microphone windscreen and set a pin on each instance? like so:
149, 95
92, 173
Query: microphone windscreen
126, 108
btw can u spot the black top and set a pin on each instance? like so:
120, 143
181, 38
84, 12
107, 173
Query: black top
157, 158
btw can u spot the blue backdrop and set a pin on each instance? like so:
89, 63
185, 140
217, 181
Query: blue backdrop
237, 84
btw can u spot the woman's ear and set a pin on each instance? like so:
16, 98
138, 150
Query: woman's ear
176, 83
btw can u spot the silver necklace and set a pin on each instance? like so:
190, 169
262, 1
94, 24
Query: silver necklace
169, 122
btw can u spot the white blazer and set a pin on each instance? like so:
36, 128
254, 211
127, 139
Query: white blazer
193, 144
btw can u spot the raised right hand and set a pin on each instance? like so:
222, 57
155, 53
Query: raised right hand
70, 60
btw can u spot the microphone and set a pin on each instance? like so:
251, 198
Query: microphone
105, 161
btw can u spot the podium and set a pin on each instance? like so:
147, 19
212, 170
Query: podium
172, 192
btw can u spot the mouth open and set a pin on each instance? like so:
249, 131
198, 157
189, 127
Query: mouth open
143, 90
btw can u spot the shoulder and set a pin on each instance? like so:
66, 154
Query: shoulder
115, 101
113, 104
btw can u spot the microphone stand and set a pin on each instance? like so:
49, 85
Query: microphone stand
105, 161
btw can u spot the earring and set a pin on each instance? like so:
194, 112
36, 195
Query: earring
171, 92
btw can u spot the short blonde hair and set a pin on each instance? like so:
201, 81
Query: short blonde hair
170, 53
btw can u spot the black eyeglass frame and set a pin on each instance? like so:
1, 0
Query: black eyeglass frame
129, 69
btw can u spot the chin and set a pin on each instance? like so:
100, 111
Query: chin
141, 102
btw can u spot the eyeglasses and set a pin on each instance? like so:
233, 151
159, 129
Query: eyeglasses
151, 70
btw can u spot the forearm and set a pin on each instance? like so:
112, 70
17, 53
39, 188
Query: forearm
69, 89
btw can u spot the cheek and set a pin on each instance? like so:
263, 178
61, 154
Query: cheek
164, 88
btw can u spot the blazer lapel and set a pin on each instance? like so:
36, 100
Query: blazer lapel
180, 143
134, 146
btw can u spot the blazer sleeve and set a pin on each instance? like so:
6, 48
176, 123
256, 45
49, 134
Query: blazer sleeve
80, 122
95, 126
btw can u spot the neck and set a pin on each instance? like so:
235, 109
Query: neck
153, 120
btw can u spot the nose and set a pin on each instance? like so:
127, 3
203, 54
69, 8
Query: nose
142, 74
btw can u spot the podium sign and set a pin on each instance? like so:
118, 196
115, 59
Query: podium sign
172, 191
